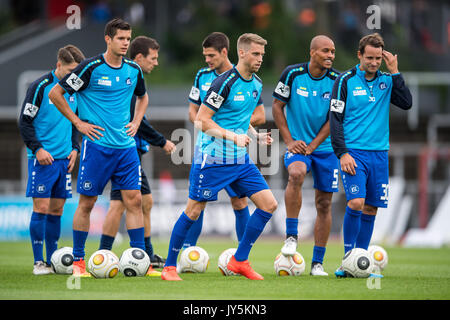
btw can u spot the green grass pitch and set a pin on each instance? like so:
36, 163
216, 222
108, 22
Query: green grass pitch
411, 274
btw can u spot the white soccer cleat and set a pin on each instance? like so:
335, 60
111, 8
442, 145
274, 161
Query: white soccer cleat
290, 246
40, 268
317, 270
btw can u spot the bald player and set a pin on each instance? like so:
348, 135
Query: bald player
305, 90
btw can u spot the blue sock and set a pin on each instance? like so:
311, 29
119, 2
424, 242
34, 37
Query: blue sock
242, 217
106, 242
52, 234
318, 254
79, 241
255, 227
194, 232
37, 234
148, 246
137, 238
177, 238
351, 226
365, 231
291, 227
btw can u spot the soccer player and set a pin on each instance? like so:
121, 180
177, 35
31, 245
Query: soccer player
359, 125
52, 148
224, 118
215, 50
305, 90
143, 51
106, 84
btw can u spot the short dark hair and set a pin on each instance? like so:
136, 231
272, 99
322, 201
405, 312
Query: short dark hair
217, 40
141, 45
375, 40
70, 54
114, 25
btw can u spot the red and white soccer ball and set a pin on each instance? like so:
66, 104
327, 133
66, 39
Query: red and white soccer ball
103, 264
194, 260
224, 258
289, 265
379, 256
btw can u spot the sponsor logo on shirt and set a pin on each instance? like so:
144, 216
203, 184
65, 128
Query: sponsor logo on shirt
337, 105
361, 92
239, 97
283, 90
302, 91
326, 96
215, 99
206, 86
74, 82
104, 81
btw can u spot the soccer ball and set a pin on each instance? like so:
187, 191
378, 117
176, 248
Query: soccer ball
358, 263
289, 265
193, 259
379, 256
224, 258
103, 264
134, 262
62, 260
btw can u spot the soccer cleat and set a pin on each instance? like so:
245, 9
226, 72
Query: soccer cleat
170, 273
290, 247
340, 273
40, 268
50, 268
243, 268
152, 272
317, 269
79, 269
157, 261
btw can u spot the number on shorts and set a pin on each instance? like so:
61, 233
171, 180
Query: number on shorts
336, 178
385, 196
68, 182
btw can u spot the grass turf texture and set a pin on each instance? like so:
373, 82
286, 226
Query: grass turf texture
411, 274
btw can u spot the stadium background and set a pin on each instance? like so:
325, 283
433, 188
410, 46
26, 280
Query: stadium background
418, 31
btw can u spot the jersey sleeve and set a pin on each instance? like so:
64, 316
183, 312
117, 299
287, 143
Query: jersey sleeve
80, 77
336, 115
217, 93
400, 96
30, 108
194, 94
140, 90
282, 91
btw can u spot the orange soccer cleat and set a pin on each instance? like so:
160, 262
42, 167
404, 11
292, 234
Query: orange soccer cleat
79, 269
243, 268
170, 273
152, 272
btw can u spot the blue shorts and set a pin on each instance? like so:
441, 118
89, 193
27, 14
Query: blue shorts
371, 181
206, 180
49, 181
99, 164
324, 166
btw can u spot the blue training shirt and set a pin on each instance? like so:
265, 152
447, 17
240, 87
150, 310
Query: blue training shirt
359, 109
307, 102
202, 83
233, 99
42, 125
104, 96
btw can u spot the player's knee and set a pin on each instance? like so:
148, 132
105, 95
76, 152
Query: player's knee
323, 205
41, 207
271, 206
297, 176
239, 203
356, 204
147, 204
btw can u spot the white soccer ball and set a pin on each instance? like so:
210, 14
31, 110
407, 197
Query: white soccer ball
224, 258
134, 262
289, 265
358, 263
193, 259
103, 264
62, 260
379, 256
